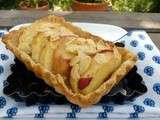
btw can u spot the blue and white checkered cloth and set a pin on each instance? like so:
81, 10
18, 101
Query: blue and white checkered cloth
145, 106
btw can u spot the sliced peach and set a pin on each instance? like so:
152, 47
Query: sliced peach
105, 67
84, 64
74, 77
47, 54
37, 45
28, 35
84, 82
83, 61
61, 60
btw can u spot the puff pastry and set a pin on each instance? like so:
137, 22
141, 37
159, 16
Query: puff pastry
81, 66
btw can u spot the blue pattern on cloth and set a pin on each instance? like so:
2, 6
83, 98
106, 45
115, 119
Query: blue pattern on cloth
2, 102
4, 56
148, 70
149, 102
148, 47
156, 88
156, 59
134, 43
1, 69
141, 55
145, 106
12, 112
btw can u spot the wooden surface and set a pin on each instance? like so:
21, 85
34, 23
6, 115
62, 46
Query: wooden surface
129, 21
155, 38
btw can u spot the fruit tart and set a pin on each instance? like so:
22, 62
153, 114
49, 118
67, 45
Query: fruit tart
81, 66
23, 86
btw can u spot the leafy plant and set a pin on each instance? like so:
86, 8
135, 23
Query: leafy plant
7, 4
94, 1
156, 6
64, 4
135, 5
34, 3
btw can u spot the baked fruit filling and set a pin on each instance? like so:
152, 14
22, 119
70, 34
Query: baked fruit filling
84, 63
81, 66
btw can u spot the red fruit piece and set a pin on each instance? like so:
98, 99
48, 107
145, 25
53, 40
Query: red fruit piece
84, 82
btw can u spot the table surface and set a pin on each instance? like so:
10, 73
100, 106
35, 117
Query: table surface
149, 22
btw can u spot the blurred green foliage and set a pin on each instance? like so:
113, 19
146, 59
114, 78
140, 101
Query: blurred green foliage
64, 4
95, 1
8, 4
91, 1
136, 5
118, 5
33, 3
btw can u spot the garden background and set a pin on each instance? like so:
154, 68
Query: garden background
117, 5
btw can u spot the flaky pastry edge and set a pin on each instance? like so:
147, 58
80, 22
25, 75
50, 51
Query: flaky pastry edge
56, 81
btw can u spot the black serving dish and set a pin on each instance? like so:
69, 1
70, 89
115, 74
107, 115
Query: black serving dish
23, 86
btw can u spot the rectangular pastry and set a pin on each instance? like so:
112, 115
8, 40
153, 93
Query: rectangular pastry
81, 66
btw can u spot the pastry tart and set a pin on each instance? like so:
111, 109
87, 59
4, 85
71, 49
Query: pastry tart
81, 66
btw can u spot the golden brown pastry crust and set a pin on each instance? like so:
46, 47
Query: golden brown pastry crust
56, 80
